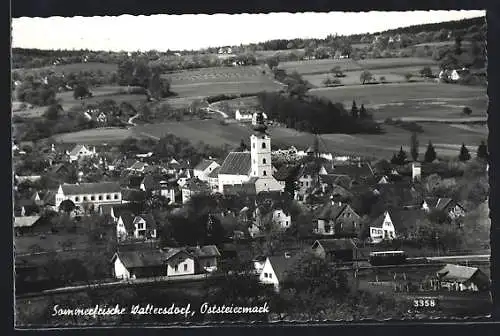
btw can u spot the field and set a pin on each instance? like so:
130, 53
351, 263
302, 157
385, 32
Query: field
432, 100
95, 136
75, 67
226, 80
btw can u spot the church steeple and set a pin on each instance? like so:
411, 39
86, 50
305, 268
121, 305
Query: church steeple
260, 126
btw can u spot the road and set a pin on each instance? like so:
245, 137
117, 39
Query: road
210, 109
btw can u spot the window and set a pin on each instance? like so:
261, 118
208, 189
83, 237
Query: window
264, 173
265, 275
108, 197
92, 198
263, 161
185, 267
116, 196
77, 199
207, 264
270, 275
100, 197
263, 145
84, 198
301, 184
253, 145
176, 268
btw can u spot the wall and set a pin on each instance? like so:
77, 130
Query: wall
180, 261
268, 269
120, 270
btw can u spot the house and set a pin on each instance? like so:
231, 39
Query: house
137, 264
206, 257
167, 190
258, 264
138, 167
81, 151
204, 168
463, 278
453, 209
25, 224
179, 262
194, 187
382, 228
416, 171
243, 116
96, 193
133, 195
281, 218
25, 207
339, 219
135, 227
255, 116
274, 271
149, 185
335, 249
213, 180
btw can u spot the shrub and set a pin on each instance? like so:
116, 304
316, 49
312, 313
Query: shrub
467, 110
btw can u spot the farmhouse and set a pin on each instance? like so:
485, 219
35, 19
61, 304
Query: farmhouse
25, 224
382, 228
96, 193
204, 168
138, 227
138, 264
453, 209
243, 116
462, 278
252, 167
80, 151
337, 219
335, 249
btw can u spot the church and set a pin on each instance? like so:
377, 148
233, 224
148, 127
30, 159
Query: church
251, 167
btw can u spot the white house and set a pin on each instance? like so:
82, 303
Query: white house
80, 151
282, 219
96, 193
167, 190
462, 278
274, 270
242, 116
193, 187
138, 167
137, 264
416, 171
382, 228
179, 262
254, 117
204, 168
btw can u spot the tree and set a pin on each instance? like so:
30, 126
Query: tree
426, 72
482, 151
272, 62
125, 72
400, 158
382, 79
81, 91
366, 76
414, 146
52, 112
363, 114
408, 76
467, 110
354, 110
430, 153
67, 206
464, 154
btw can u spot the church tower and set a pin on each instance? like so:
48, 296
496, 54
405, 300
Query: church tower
260, 150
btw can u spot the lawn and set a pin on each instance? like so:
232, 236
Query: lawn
223, 80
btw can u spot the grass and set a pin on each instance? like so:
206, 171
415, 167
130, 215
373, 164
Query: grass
95, 136
75, 67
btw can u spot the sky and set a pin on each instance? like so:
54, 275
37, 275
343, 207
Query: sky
189, 32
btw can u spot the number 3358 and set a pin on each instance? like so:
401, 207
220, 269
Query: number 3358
424, 303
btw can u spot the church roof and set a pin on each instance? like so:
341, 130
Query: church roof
236, 163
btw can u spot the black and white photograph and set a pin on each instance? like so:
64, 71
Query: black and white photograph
250, 168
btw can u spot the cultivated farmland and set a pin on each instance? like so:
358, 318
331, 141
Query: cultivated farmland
225, 80
74, 67
95, 136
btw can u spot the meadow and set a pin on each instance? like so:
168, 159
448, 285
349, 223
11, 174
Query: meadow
73, 67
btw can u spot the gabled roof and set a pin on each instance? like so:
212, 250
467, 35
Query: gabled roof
336, 244
206, 251
76, 150
240, 189
133, 195
379, 221
204, 164
136, 259
280, 265
196, 185
149, 219
149, 182
354, 170
285, 171
236, 163
58, 167
91, 188
174, 251
332, 211
214, 173
25, 221
458, 273
133, 208
50, 197
138, 165
127, 218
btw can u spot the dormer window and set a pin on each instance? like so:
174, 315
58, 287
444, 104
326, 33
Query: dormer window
263, 145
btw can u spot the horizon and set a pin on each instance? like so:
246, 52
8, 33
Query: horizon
133, 33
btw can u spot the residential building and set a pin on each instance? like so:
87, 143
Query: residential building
416, 171
138, 264
463, 278
338, 219
25, 224
194, 187
343, 250
452, 208
382, 228
95, 193
138, 167
135, 227
81, 151
243, 116
213, 180
204, 168
275, 270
